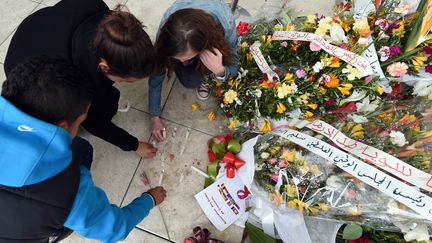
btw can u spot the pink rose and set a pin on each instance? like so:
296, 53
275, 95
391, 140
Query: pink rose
272, 161
397, 69
300, 73
283, 163
314, 46
284, 44
428, 68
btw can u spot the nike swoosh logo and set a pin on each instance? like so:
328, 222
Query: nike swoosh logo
24, 128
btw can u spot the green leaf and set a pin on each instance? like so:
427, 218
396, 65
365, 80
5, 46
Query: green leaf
352, 232
256, 235
234, 146
219, 150
212, 172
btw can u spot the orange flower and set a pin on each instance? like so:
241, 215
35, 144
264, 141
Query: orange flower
333, 82
334, 62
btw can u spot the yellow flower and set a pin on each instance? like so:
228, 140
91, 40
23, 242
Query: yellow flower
277, 198
218, 83
230, 96
316, 170
290, 27
266, 39
311, 19
291, 191
289, 76
322, 90
302, 205
230, 82
362, 27
345, 89
195, 106
232, 125
292, 204
211, 116
244, 44
379, 89
308, 114
399, 31
278, 27
354, 211
266, 126
313, 106
313, 210
334, 62
249, 56
288, 155
418, 62
357, 132
280, 108
285, 89
323, 207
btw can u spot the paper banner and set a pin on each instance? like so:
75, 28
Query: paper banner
261, 61
347, 56
408, 195
223, 202
374, 156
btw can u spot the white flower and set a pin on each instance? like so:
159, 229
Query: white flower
265, 155
353, 72
337, 35
238, 102
423, 88
398, 138
318, 67
258, 93
362, 41
366, 106
334, 183
357, 118
402, 9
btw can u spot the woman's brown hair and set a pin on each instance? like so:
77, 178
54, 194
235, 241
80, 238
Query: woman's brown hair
121, 40
194, 29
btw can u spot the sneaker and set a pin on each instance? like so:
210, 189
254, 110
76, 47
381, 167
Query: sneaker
203, 91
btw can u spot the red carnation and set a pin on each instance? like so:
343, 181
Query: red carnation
242, 28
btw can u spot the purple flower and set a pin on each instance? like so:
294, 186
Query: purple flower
300, 73
392, 27
368, 79
428, 68
382, 23
394, 51
427, 50
330, 101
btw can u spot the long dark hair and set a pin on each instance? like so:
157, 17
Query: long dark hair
194, 29
123, 43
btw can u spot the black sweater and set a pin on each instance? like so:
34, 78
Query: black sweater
67, 29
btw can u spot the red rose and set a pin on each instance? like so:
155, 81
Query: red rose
211, 156
242, 28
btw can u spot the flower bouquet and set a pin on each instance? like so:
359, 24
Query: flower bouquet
312, 66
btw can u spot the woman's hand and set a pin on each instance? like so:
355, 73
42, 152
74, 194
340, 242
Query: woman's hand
213, 61
157, 128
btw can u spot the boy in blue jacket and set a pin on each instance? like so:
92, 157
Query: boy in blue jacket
46, 189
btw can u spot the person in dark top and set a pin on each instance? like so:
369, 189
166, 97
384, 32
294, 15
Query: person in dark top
107, 46
46, 188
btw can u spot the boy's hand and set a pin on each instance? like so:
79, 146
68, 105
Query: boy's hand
158, 193
157, 128
146, 150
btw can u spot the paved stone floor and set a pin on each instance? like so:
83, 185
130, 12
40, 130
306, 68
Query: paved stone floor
120, 173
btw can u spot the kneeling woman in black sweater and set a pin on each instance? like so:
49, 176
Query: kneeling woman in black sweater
107, 46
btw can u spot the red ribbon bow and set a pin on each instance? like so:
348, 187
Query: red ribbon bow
231, 164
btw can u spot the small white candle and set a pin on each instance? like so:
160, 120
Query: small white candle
200, 171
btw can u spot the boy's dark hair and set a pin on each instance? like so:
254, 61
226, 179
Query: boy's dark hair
50, 89
121, 40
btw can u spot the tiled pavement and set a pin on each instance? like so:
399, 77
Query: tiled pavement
120, 173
